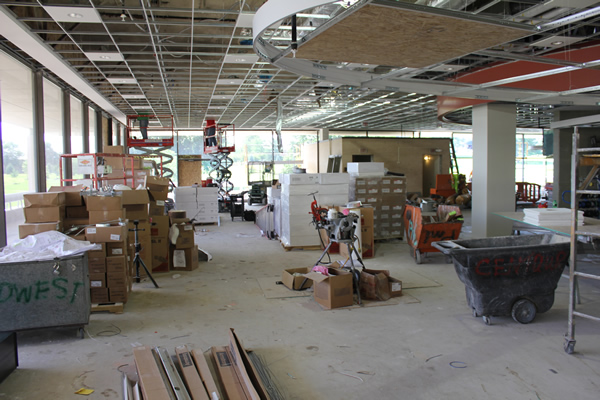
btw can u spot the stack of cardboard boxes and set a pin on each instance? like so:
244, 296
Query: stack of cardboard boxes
123, 168
200, 203
183, 253
112, 285
387, 196
43, 212
158, 189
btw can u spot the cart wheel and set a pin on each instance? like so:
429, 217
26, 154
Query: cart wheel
475, 313
418, 256
523, 311
569, 346
487, 320
80, 333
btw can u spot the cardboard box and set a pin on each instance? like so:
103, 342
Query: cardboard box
101, 253
206, 375
136, 212
395, 286
44, 214
73, 195
117, 280
160, 254
150, 378
32, 229
68, 222
104, 203
97, 280
118, 295
226, 370
156, 183
298, 282
176, 214
184, 259
332, 291
374, 284
76, 212
116, 264
97, 217
158, 195
135, 197
113, 150
97, 265
44, 199
185, 235
116, 249
99, 295
106, 234
157, 208
190, 374
159, 226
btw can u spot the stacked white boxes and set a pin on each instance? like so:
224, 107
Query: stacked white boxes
201, 204
386, 194
296, 228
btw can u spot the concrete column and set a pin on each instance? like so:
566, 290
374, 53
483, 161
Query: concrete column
38, 131
323, 134
494, 141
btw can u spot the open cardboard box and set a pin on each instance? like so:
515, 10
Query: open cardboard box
296, 282
332, 291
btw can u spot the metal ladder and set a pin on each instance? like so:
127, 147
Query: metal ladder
579, 159
453, 162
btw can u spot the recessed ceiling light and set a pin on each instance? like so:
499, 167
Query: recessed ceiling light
241, 58
134, 96
104, 56
230, 81
73, 14
557, 43
123, 81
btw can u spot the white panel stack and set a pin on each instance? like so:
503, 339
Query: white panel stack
200, 203
296, 189
366, 169
551, 216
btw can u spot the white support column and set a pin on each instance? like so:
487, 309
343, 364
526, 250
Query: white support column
324, 134
494, 141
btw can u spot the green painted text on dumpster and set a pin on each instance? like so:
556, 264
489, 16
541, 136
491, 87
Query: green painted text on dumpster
58, 288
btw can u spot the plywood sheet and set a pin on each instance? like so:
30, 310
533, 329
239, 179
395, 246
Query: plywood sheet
403, 38
190, 170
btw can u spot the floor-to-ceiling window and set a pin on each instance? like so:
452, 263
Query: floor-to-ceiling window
16, 94
76, 126
53, 131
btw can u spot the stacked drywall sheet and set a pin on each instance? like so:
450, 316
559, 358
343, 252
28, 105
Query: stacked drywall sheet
201, 204
297, 192
551, 216
387, 196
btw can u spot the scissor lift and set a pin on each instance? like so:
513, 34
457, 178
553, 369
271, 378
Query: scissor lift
219, 142
160, 135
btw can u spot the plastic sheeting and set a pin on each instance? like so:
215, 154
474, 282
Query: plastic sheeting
45, 246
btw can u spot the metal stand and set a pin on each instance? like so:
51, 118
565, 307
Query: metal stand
137, 260
351, 250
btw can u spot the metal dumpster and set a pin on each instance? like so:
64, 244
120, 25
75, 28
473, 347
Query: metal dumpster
420, 233
45, 294
509, 275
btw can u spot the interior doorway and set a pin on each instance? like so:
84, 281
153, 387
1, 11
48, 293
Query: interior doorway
432, 166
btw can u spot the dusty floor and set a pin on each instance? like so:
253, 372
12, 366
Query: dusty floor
427, 347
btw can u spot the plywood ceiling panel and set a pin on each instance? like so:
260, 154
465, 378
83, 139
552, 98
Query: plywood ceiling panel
403, 38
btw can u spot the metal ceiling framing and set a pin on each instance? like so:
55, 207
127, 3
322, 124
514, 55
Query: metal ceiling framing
185, 59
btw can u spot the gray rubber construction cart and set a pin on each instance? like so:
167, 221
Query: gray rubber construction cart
45, 294
509, 275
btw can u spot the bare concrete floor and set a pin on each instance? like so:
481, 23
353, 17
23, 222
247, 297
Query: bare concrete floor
432, 348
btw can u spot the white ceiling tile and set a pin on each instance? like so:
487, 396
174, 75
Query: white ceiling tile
104, 56
73, 14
